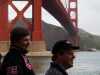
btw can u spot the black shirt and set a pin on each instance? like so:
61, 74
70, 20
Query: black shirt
16, 63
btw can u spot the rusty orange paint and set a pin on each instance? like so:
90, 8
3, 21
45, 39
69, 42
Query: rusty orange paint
4, 36
37, 33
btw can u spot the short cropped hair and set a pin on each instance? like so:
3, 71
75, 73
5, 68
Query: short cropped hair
18, 33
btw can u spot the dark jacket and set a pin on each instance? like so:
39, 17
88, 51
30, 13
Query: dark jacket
56, 69
16, 63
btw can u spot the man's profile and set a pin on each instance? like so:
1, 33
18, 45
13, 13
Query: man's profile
16, 62
62, 58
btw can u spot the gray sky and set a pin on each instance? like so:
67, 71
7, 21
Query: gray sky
88, 16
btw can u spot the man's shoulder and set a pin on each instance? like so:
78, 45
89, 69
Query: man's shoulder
56, 69
12, 57
12, 54
53, 71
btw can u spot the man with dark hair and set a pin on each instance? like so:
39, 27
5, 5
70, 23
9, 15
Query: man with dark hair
16, 62
62, 58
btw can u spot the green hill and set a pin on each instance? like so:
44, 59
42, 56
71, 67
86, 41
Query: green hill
53, 33
88, 40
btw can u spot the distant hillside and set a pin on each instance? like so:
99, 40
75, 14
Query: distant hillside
88, 40
53, 33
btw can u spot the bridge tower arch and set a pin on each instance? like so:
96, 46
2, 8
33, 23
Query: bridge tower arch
35, 24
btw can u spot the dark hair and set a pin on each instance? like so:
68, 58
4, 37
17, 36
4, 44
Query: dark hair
18, 33
62, 46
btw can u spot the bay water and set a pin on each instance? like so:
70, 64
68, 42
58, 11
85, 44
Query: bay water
86, 63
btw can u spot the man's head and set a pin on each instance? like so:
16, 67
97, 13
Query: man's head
63, 53
20, 37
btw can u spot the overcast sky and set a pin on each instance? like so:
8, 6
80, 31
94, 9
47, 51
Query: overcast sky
88, 16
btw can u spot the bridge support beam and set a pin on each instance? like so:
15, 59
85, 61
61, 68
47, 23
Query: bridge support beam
38, 55
37, 34
4, 36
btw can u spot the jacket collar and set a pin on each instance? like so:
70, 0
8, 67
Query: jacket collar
18, 50
59, 67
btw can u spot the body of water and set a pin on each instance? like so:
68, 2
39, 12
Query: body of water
86, 63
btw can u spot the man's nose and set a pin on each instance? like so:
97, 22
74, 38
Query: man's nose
73, 56
29, 42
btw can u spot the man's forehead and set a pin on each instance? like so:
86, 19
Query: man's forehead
28, 37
